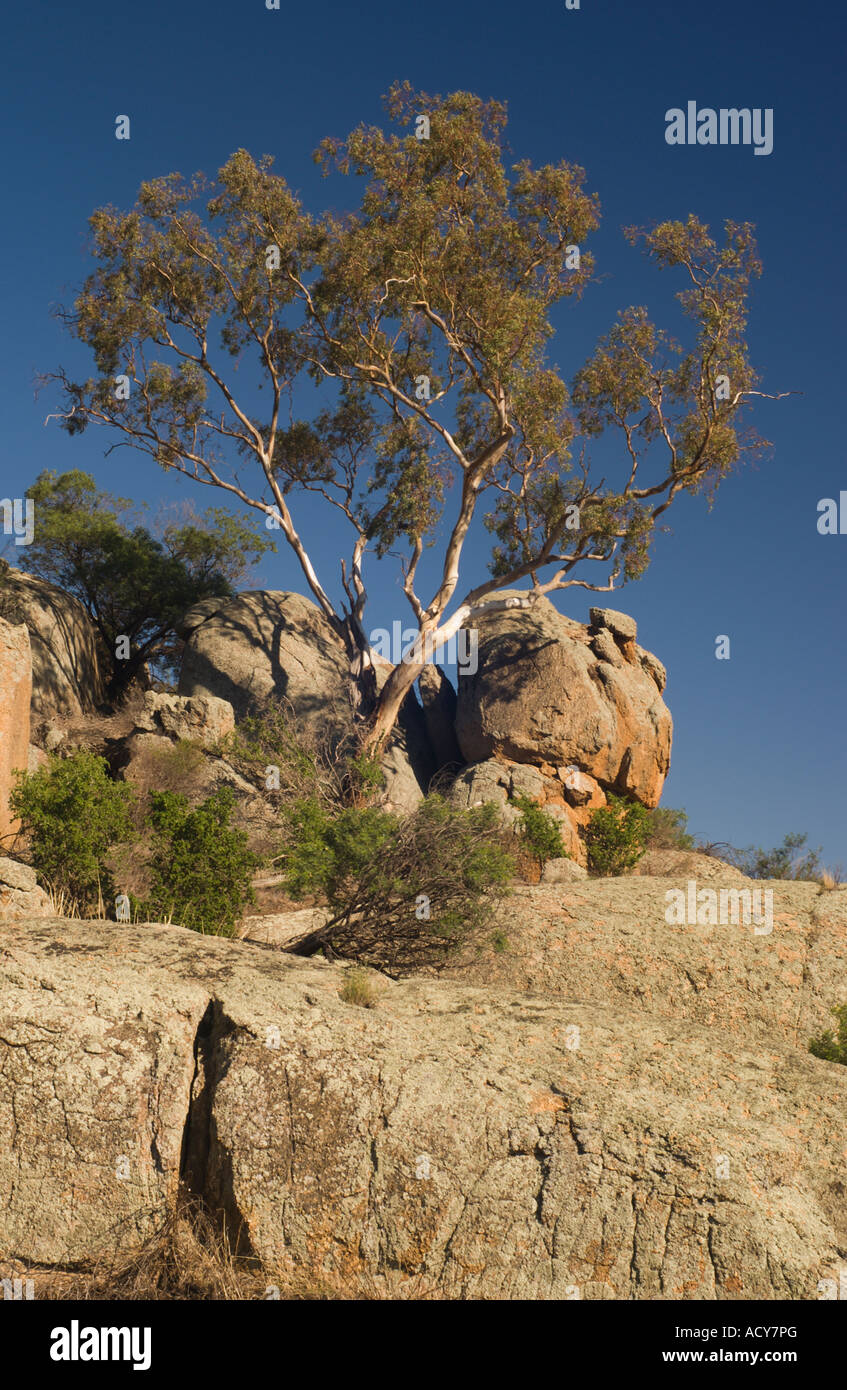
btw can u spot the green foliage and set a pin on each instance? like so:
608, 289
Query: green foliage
616, 836
201, 866
74, 814
132, 583
540, 832
829, 1046
668, 830
404, 892
788, 860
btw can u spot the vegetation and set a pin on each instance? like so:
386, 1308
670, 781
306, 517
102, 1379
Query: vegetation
134, 585
358, 987
832, 1047
425, 318
200, 864
290, 763
74, 815
616, 836
539, 831
404, 892
668, 830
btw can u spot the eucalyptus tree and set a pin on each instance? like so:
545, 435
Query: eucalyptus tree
425, 316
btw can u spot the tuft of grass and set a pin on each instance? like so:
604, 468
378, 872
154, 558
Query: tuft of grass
829, 1046
358, 987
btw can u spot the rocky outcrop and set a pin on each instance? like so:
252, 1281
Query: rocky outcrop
609, 941
66, 668
203, 719
554, 693
15, 695
491, 1144
20, 895
270, 644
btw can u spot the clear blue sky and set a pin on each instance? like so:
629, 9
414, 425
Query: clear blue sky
759, 744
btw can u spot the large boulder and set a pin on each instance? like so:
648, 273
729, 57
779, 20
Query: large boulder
15, 693
67, 676
491, 1145
551, 691
266, 643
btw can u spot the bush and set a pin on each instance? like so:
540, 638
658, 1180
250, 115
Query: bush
201, 866
404, 893
616, 836
303, 765
788, 860
74, 814
668, 830
540, 832
829, 1046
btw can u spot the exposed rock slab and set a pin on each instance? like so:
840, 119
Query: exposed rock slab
497, 1145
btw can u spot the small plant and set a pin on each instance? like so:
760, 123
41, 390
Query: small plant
201, 867
616, 836
358, 987
829, 1046
539, 831
74, 814
499, 941
404, 892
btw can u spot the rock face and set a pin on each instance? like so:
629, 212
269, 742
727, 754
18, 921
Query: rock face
496, 1145
20, 895
15, 695
550, 691
608, 941
66, 670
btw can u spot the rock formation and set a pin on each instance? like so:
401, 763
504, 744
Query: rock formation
267, 644
66, 670
556, 694
15, 695
488, 1143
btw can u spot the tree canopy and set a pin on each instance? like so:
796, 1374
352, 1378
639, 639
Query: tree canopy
424, 315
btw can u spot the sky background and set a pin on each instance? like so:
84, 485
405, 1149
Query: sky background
759, 741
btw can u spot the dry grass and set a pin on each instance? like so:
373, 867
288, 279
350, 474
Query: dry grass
190, 1259
359, 987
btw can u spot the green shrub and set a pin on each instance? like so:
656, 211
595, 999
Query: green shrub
200, 865
74, 814
403, 892
668, 830
829, 1046
790, 860
540, 832
616, 836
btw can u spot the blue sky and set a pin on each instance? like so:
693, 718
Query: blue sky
759, 747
